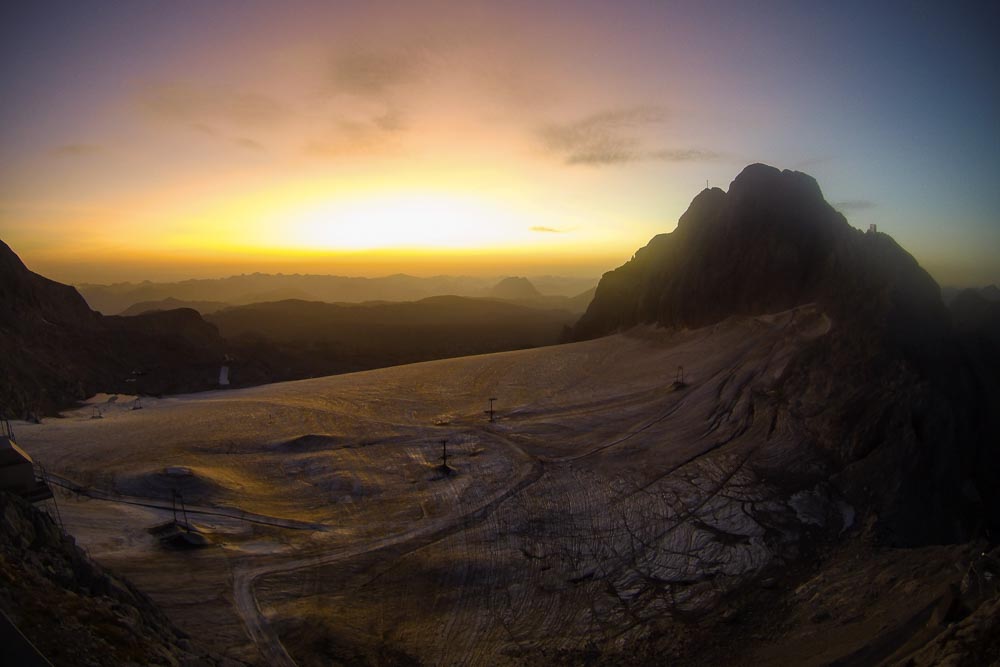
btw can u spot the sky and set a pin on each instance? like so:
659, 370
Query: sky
167, 140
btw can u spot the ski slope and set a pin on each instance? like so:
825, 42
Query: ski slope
603, 499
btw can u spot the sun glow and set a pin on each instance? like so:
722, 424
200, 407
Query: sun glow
406, 220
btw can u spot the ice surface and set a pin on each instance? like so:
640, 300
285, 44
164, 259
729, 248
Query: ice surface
601, 497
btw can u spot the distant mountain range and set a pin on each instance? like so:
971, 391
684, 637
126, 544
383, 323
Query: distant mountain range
261, 287
576, 305
56, 350
170, 303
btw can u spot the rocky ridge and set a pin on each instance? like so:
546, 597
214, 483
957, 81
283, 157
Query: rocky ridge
57, 350
896, 401
770, 243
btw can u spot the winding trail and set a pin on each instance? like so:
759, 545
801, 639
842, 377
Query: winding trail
426, 532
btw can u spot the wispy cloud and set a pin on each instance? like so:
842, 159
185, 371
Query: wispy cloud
548, 230
77, 150
603, 138
327, 148
683, 155
372, 74
207, 107
367, 104
855, 205
391, 120
248, 143
205, 128
613, 137
377, 132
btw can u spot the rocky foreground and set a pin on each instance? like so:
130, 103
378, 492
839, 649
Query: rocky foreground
57, 351
74, 611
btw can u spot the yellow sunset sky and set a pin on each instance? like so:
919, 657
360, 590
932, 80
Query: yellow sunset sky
172, 140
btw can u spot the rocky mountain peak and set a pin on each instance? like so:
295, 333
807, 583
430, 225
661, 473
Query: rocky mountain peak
899, 397
769, 243
57, 350
762, 180
25, 295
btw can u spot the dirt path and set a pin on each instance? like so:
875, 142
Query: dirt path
244, 579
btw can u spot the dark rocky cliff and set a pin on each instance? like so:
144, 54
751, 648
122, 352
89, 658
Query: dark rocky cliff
899, 405
770, 243
56, 350
74, 611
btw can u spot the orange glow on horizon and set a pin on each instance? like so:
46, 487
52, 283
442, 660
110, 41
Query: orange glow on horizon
364, 221
411, 220
228, 137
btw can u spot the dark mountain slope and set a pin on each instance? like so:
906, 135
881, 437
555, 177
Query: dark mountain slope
311, 338
203, 307
898, 407
70, 608
770, 243
259, 287
973, 312
56, 350
28, 299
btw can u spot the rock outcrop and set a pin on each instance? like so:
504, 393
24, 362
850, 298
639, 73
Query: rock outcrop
770, 243
71, 609
56, 350
898, 404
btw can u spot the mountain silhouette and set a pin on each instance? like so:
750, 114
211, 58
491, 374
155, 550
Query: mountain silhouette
170, 303
770, 243
124, 298
514, 288
57, 350
893, 398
